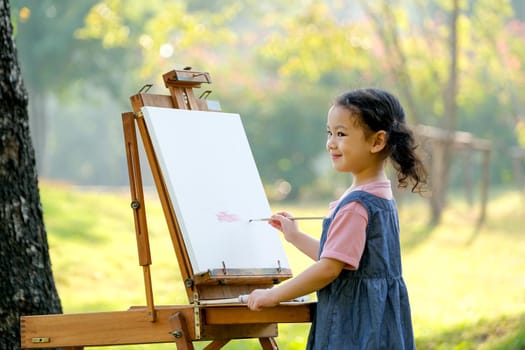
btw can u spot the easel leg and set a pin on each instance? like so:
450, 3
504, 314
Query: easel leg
180, 332
139, 209
216, 344
268, 344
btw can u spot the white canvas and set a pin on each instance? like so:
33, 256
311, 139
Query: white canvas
215, 188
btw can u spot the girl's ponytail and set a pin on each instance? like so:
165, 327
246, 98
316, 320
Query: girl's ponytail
406, 162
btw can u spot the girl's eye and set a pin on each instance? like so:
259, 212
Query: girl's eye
338, 133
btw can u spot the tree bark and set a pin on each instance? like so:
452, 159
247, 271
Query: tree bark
27, 286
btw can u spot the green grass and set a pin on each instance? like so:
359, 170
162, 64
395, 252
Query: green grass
467, 285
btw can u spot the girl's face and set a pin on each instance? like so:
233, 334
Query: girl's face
346, 143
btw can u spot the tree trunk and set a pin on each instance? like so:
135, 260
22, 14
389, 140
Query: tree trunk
439, 195
27, 285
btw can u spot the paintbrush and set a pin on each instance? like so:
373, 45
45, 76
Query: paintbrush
242, 299
293, 218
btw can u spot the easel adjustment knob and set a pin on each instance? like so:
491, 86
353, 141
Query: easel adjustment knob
135, 204
188, 283
177, 333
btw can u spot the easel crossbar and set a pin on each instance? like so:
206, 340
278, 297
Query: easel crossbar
133, 327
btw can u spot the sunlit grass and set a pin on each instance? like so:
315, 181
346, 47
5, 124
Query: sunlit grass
465, 283
467, 286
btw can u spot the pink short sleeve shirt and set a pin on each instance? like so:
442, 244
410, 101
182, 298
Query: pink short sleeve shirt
347, 234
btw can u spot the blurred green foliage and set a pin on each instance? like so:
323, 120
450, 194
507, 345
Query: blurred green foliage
278, 64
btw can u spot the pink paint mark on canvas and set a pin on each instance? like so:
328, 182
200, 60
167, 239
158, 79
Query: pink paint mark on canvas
223, 216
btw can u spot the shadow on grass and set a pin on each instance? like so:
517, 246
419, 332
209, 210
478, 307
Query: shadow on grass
496, 334
77, 228
475, 232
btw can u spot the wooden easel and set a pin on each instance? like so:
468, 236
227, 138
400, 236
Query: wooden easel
197, 321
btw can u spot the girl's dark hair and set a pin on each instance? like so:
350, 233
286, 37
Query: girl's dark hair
376, 110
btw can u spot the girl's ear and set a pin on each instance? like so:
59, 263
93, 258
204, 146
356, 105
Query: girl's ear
378, 141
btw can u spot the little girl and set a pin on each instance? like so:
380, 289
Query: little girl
362, 300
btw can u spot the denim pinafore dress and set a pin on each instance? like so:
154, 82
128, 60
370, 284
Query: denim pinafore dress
367, 308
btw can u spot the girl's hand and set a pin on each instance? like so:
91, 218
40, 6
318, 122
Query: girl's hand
282, 222
261, 298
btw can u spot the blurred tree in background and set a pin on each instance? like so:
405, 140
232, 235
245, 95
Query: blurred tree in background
278, 64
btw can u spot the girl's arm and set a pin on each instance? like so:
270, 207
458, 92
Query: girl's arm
314, 278
290, 230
